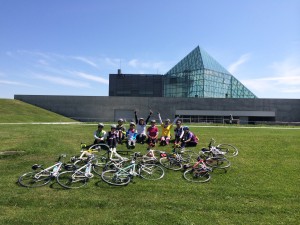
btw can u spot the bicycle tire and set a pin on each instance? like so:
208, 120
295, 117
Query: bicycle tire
98, 169
151, 172
71, 179
102, 154
197, 176
31, 179
116, 178
170, 163
228, 150
217, 162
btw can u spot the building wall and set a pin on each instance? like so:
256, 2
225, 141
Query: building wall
146, 85
109, 108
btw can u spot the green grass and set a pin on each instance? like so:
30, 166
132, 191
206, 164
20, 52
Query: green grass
261, 187
16, 111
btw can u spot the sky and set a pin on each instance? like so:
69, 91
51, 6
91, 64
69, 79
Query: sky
69, 47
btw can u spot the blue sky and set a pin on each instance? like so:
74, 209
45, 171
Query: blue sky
69, 47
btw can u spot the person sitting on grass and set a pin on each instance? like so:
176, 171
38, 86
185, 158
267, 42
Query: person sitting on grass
178, 132
121, 129
189, 139
112, 137
152, 134
131, 136
100, 134
141, 127
166, 130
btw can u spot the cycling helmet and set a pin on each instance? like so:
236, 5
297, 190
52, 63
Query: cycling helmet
100, 125
153, 121
141, 118
120, 120
132, 123
168, 120
186, 128
113, 126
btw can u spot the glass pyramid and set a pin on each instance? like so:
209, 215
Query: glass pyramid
200, 75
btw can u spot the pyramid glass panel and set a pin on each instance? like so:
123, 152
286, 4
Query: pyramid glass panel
200, 75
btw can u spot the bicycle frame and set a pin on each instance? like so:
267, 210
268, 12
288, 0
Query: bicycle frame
87, 168
55, 169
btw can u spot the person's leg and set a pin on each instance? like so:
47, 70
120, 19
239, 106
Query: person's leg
162, 140
142, 138
168, 140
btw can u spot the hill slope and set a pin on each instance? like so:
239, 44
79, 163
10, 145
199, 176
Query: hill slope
13, 111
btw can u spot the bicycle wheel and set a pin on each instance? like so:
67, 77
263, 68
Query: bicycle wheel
228, 150
217, 162
71, 179
151, 172
35, 179
114, 177
170, 163
98, 169
101, 152
196, 175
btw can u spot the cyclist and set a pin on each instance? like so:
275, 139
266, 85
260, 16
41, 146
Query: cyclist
121, 130
141, 127
112, 137
189, 139
131, 136
100, 134
152, 134
166, 130
178, 132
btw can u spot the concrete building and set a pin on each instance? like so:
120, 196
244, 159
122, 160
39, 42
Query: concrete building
111, 108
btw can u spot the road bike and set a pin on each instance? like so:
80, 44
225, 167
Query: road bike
178, 158
80, 176
122, 176
199, 172
151, 157
40, 176
220, 150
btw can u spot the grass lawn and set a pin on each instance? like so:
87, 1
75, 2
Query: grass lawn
261, 187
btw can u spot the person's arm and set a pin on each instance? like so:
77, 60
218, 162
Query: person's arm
189, 137
150, 113
136, 119
104, 135
95, 135
156, 136
159, 118
175, 120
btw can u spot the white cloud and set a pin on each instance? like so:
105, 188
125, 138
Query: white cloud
91, 77
8, 82
285, 80
134, 63
147, 65
62, 81
235, 65
85, 60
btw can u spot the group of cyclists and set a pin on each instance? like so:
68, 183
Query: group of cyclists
138, 132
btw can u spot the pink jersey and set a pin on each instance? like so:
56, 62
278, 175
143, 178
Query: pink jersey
152, 131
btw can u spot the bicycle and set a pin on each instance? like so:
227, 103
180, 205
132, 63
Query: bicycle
122, 176
219, 150
40, 176
175, 160
199, 172
151, 157
78, 177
